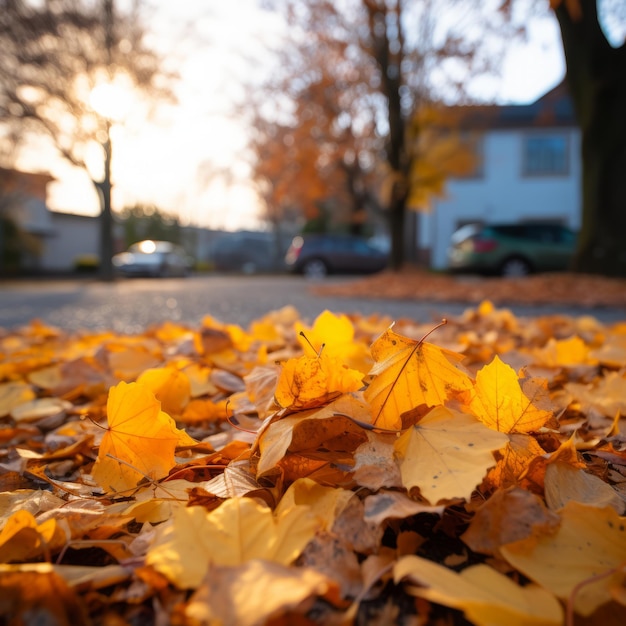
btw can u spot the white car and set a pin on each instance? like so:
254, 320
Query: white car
153, 258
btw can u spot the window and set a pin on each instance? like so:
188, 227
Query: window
546, 155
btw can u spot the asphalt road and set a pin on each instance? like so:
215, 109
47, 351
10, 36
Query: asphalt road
130, 306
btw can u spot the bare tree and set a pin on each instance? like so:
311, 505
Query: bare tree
53, 54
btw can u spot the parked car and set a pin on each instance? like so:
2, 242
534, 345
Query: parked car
246, 252
511, 249
153, 258
316, 256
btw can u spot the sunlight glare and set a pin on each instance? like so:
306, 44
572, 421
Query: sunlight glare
110, 100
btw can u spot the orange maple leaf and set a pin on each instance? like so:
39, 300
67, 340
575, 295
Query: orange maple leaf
409, 373
140, 440
308, 382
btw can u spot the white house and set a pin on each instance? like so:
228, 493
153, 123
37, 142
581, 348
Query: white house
529, 168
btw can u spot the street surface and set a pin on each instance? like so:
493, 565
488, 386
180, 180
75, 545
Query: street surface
130, 306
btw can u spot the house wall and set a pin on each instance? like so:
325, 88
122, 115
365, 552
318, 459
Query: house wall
503, 193
73, 236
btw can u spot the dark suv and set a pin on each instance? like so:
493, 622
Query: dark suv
511, 249
316, 256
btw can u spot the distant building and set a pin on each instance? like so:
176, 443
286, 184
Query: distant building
24, 219
529, 168
74, 242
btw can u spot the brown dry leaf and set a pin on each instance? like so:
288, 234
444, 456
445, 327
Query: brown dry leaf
589, 543
409, 373
374, 463
239, 530
500, 402
447, 454
509, 515
307, 430
254, 593
394, 505
39, 596
486, 597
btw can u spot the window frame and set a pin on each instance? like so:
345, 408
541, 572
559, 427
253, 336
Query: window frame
545, 154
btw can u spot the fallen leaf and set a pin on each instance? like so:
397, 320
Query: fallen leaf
238, 531
486, 597
500, 403
590, 542
41, 597
408, 373
394, 505
509, 515
170, 386
307, 382
22, 538
12, 394
247, 594
324, 502
334, 335
139, 442
564, 483
447, 454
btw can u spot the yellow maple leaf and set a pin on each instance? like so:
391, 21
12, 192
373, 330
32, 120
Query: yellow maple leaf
408, 373
487, 597
590, 542
447, 454
140, 440
500, 403
307, 382
334, 335
237, 531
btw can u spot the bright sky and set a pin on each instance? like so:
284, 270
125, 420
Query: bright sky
174, 163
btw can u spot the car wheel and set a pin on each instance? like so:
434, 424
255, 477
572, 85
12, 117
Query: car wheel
315, 268
515, 267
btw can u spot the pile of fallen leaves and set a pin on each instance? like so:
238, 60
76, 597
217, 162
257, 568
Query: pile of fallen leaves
353, 471
561, 288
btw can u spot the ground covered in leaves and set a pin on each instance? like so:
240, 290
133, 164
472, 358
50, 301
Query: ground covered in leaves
580, 290
343, 471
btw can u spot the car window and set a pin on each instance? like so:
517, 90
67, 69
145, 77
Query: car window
464, 232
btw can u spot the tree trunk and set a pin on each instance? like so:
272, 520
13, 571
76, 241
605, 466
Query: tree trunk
596, 74
396, 230
106, 215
